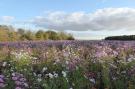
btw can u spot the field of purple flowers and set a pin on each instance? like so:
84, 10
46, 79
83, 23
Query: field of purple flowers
67, 65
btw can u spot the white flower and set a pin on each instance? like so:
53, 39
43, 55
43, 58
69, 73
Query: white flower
4, 64
73, 84
114, 78
9, 64
25, 69
34, 74
64, 74
55, 75
44, 69
50, 75
54, 63
34, 58
123, 72
13, 74
114, 66
58, 60
67, 62
130, 59
39, 79
11, 70
77, 67
92, 80
39, 75
26, 85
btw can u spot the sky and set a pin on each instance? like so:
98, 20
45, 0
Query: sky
85, 19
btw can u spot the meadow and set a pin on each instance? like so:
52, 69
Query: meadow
67, 65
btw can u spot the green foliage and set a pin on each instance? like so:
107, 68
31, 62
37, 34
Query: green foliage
124, 37
39, 35
8, 33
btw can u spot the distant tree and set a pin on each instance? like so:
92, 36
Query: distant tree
62, 36
12, 36
52, 35
45, 36
39, 35
124, 37
70, 37
29, 35
65, 36
21, 31
8, 33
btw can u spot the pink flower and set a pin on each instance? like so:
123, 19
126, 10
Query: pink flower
14, 78
22, 79
2, 85
1, 76
18, 88
18, 83
1, 80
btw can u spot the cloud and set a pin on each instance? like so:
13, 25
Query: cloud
102, 19
7, 18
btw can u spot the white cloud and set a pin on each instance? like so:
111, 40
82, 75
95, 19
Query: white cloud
102, 19
7, 18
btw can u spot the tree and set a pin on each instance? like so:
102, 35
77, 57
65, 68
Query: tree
70, 37
8, 33
29, 35
39, 35
21, 31
52, 35
62, 36
46, 36
124, 37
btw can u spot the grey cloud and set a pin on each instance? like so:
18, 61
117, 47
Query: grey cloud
102, 19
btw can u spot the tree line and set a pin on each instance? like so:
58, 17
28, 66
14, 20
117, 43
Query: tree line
124, 37
8, 33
